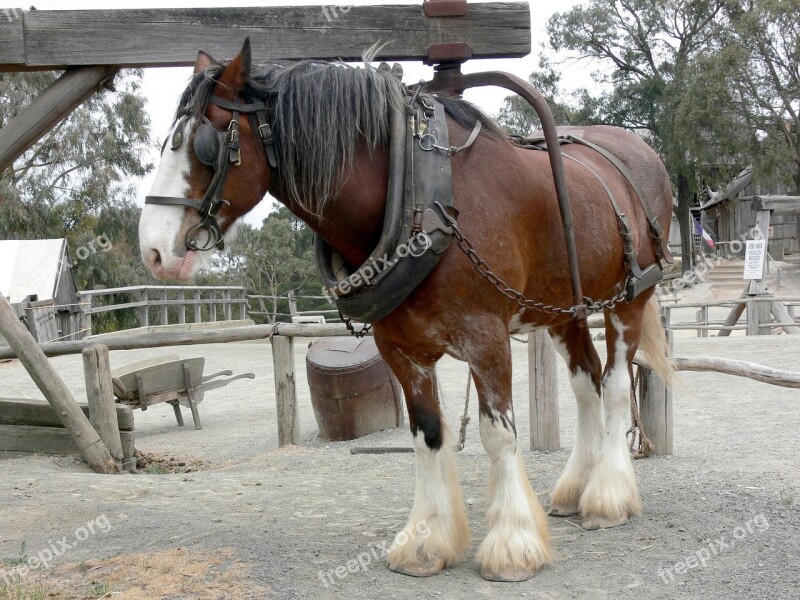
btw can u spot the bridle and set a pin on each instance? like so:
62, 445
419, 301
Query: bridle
217, 150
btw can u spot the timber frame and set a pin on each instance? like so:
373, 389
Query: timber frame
92, 45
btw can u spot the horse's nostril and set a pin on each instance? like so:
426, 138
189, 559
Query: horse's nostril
155, 258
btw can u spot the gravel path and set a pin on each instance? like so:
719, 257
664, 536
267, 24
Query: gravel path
289, 517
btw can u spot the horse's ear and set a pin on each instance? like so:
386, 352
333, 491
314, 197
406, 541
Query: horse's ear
237, 73
203, 61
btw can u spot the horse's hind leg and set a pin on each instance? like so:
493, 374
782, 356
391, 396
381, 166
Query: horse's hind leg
517, 542
611, 495
437, 533
574, 343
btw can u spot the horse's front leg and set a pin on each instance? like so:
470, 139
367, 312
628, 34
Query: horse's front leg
517, 542
437, 533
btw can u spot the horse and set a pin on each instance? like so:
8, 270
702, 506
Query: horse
320, 146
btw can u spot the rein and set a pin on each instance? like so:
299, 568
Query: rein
218, 150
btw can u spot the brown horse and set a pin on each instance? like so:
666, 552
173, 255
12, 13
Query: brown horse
323, 153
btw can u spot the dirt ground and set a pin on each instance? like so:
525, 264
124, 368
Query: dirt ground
258, 522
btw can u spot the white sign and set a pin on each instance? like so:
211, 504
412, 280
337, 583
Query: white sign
754, 259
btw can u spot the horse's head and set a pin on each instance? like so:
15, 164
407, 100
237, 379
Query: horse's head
214, 169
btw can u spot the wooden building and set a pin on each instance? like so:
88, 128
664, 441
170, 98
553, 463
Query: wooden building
36, 276
729, 215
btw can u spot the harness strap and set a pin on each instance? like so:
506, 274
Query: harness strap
656, 231
626, 231
476, 131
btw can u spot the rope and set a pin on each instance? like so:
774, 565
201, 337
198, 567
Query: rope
69, 335
462, 434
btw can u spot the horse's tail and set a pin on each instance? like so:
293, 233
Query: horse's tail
653, 342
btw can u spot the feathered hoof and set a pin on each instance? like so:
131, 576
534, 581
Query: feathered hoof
563, 511
508, 575
594, 523
424, 569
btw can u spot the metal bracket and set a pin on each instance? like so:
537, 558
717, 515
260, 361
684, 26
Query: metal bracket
445, 8
454, 52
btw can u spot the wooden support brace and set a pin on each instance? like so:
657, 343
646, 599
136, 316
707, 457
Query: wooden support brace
54, 105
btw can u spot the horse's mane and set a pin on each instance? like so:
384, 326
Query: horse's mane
319, 111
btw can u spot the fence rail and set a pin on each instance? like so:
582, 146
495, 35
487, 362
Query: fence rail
291, 301
231, 300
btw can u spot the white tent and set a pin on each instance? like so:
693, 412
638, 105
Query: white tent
29, 267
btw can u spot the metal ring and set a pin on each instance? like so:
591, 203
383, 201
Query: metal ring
432, 141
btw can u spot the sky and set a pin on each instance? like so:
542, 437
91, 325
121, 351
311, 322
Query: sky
162, 86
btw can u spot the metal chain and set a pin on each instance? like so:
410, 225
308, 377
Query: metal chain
348, 322
483, 268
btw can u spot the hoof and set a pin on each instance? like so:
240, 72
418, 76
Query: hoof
593, 523
510, 576
426, 569
563, 511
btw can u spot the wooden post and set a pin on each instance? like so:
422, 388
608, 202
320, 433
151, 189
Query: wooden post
292, 303
198, 307
285, 392
182, 307
243, 307
86, 315
56, 392
212, 307
144, 311
543, 392
164, 309
55, 104
656, 407
227, 309
702, 317
100, 393
753, 315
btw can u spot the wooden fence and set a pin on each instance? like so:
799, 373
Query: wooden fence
221, 303
271, 307
763, 316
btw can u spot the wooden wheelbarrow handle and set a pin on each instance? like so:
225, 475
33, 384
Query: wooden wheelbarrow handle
219, 374
212, 385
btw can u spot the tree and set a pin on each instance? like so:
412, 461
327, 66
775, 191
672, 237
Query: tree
83, 165
519, 118
277, 258
647, 50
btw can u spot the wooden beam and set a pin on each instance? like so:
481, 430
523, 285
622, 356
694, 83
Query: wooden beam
12, 42
45, 112
51, 440
781, 206
131, 341
171, 37
38, 413
55, 390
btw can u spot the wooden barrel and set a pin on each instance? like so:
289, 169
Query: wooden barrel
353, 391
